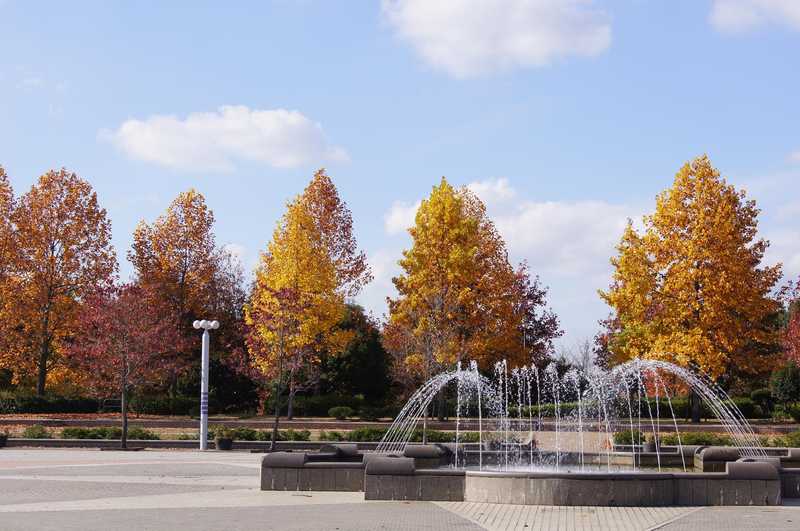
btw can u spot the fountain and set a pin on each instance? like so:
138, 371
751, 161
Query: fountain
627, 398
531, 435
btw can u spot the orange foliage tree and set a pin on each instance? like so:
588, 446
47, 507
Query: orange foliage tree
692, 289
177, 257
8, 281
63, 243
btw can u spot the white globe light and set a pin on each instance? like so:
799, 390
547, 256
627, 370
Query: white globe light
214, 324
196, 324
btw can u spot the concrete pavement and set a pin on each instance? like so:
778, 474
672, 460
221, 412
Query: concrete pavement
187, 490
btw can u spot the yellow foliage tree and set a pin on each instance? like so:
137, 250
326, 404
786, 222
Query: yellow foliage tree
458, 293
691, 289
298, 297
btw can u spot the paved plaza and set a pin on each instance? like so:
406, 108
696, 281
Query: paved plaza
186, 490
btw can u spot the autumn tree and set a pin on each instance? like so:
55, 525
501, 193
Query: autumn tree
791, 334
63, 240
310, 266
275, 339
122, 338
334, 222
538, 325
177, 257
459, 298
8, 281
691, 288
7, 245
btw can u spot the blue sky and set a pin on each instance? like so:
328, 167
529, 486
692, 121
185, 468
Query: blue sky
566, 116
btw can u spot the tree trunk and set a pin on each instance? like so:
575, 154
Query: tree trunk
442, 404
695, 407
277, 416
42, 378
290, 403
124, 407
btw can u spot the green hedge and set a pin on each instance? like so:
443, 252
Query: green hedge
790, 440
680, 407
249, 434
697, 437
671, 438
164, 405
21, 404
376, 434
37, 431
318, 406
628, 437
112, 432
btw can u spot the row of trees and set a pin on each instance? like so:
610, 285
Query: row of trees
690, 287
68, 321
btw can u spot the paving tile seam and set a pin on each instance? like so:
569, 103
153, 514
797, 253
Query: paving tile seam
506, 516
690, 511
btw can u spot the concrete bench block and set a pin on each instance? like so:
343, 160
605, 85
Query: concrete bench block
751, 470
395, 466
284, 460
790, 483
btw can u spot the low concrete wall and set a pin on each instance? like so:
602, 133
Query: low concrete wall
396, 478
570, 489
741, 484
424, 485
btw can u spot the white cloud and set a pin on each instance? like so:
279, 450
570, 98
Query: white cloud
737, 16
400, 217
794, 156
566, 238
493, 191
466, 38
384, 266
214, 141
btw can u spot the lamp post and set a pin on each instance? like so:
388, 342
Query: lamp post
206, 326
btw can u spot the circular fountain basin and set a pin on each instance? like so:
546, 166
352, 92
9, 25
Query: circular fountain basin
594, 488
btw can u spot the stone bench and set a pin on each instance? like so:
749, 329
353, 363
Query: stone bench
428, 455
713, 458
396, 478
295, 472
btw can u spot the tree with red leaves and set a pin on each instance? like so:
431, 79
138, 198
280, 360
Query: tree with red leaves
791, 338
121, 345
